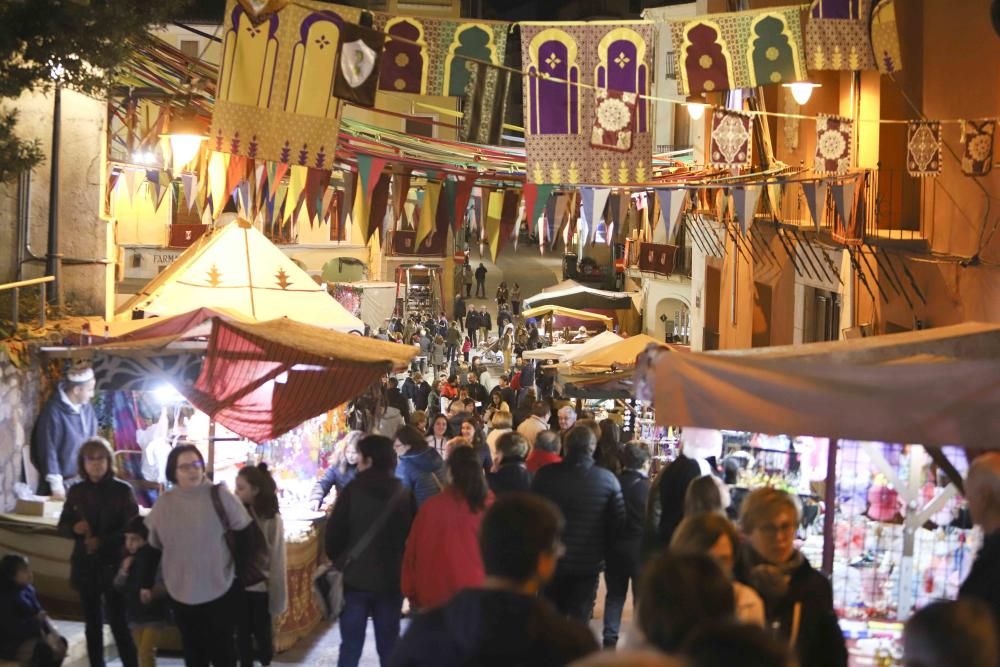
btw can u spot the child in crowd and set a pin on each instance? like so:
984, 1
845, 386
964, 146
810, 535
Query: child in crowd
146, 611
268, 599
26, 635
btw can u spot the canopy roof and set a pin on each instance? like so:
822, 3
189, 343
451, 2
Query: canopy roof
934, 387
237, 268
598, 342
621, 354
571, 294
559, 311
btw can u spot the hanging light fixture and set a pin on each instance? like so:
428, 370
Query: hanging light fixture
696, 107
185, 134
802, 90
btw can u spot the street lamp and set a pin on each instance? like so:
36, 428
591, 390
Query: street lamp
802, 90
695, 106
186, 135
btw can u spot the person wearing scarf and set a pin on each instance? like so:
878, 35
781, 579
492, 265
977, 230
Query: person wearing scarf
798, 599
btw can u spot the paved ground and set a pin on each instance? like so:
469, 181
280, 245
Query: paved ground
527, 267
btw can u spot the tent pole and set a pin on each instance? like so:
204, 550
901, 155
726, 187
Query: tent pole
830, 500
211, 449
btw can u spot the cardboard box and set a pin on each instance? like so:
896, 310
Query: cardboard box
39, 506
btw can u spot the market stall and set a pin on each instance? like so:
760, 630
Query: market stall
893, 533
556, 319
250, 391
619, 306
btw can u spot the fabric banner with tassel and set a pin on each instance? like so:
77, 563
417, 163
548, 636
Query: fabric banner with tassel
977, 135
834, 144
484, 105
923, 148
731, 135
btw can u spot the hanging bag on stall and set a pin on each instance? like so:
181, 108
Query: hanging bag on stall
329, 580
248, 546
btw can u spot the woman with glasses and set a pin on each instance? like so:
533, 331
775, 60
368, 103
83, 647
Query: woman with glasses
798, 600
95, 515
188, 525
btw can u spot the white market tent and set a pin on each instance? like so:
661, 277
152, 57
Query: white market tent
238, 269
932, 387
598, 342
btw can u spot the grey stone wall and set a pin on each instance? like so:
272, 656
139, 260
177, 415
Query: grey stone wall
20, 399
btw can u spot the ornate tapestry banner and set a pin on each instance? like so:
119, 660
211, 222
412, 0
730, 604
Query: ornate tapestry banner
731, 134
560, 116
358, 64
657, 258
275, 89
738, 49
426, 59
834, 144
848, 35
977, 135
614, 120
484, 105
923, 148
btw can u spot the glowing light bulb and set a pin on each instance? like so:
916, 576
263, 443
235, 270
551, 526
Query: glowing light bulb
185, 135
695, 110
802, 90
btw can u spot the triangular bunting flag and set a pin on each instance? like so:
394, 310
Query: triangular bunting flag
745, 200
463, 190
494, 211
815, 194
218, 165
350, 178
317, 182
153, 176
845, 199
586, 220
189, 185
428, 212
278, 202
235, 173
379, 206
508, 216
600, 204
298, 175
530, 195
774, 192
369, 169
400, 190
671, 202
547, 230
446, 205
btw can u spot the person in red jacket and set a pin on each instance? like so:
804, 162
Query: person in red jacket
545, 451
442, 552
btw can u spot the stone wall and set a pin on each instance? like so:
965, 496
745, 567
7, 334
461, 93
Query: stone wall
20, 400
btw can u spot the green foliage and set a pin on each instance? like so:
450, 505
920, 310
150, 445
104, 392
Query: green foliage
16, 155
86, 39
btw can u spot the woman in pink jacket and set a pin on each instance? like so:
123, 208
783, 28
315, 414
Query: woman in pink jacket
442, 551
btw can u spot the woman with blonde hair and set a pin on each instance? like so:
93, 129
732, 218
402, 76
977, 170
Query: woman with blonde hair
798, 599
712, 534
343, 468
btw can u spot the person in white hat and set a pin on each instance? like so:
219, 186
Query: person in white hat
66, 421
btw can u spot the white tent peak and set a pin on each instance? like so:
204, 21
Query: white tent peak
238, 268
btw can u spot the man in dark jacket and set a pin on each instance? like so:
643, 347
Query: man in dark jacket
982, 489
374, 501
66, 421
481, 281
460, 311
511, 473
591, 500
477, 392
394, 398
503, 622
472, 325
624, 561
421, 390
673, 483
485, 323
503, 319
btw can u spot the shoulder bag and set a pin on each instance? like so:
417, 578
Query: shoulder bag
329, 582
246, 552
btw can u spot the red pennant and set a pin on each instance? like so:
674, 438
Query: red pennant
236, 173
530, 195
400, 188
463, 191
379, 204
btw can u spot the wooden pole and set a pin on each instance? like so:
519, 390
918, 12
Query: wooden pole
830, 499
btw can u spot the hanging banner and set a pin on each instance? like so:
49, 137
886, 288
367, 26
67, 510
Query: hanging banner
358, 60
274, 96
731, 135
977, 135
560, 117
848, 35
484, 104
848, 198
428, 211
834, 144
671, 203
732, 50
815, 194
923, 148
657, 258
427, 59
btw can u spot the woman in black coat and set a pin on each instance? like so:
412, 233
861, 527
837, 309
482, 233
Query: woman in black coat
95, 515
798, 599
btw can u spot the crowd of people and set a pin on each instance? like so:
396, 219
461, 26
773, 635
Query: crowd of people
494, 511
